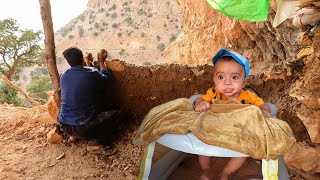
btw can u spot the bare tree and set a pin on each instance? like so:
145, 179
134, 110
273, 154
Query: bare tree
45, 9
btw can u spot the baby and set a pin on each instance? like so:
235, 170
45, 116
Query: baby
231, 71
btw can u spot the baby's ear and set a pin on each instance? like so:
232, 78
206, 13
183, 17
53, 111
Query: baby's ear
245, 82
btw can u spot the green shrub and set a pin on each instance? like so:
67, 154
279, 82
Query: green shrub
101, 10
96, 25
141, 12
161, 47
129, 20
63, 31
173, 37
114, 25
158, 37
71, 36
82, 17
9, 95
67, 28
92, 16
127, 9
122, 51
38, 87
60, 59
119, 34
101, 29
142, 48
147, 63
81, 31
96, 34
114, 6
114, 15
107, 14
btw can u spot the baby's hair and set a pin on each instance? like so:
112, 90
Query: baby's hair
225, 58
229, 58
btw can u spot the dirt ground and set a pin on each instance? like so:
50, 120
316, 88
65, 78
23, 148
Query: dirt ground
25, 153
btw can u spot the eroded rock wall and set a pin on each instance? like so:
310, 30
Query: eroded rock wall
284, 60
207, 30
140, 88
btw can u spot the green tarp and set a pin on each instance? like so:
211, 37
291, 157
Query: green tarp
249, 10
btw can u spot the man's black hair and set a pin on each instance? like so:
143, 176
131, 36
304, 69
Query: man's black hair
74, 56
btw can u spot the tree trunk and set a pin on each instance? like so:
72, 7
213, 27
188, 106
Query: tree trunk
45, 8
11, 84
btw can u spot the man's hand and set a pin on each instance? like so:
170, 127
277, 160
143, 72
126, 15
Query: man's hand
102, 55
266, 114
202, 106
266, 110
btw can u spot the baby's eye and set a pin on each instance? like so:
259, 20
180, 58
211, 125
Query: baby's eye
235, 77
220, 77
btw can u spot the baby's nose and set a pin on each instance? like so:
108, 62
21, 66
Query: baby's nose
227, 82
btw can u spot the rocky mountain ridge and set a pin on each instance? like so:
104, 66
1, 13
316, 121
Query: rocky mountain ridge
131, 30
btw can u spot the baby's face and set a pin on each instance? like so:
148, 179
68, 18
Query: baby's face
229, 78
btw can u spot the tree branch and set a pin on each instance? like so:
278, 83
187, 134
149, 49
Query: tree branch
4, 58
11, 84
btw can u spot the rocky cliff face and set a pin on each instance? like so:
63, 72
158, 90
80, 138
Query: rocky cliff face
207, 30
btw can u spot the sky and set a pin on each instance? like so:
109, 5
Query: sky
27, 12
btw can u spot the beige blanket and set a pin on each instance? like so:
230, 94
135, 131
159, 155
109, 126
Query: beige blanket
238, 127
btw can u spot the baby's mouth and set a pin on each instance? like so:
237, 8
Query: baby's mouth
228, 90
